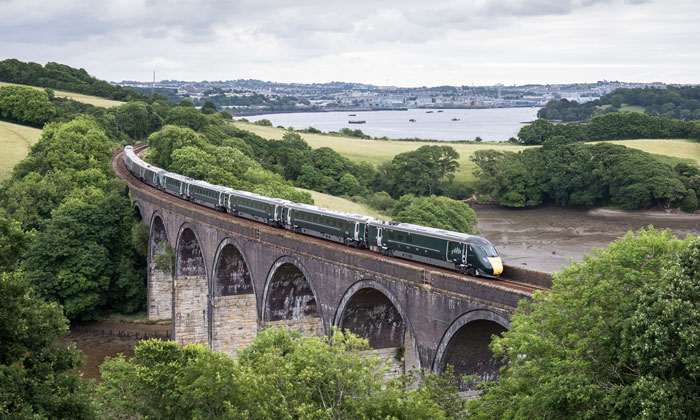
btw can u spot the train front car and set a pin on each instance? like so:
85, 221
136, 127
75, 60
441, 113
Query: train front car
483, 259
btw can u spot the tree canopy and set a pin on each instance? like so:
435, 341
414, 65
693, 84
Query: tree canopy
25, 105
616, 337
280, 375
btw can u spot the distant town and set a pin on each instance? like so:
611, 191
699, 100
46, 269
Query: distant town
255, 96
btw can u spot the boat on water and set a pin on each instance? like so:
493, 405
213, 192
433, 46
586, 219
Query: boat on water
428, 112
352, 115
357, 122
411, 120
455, 119
440, 110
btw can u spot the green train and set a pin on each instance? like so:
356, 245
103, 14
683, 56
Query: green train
468, 254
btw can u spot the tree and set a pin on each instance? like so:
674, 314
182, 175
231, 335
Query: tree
84, 258
162, 144
438, 212
186, 116
571, 351
35, 373
281, 375
208, 108
13, 243
423, 171
25, 105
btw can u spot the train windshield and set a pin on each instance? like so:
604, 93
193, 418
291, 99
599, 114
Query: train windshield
489, 250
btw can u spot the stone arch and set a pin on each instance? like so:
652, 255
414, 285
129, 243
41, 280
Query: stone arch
137, 210
371, 311
160, 295
290, 299
190, 289
234, 315
189, 255
465, 346
230, 273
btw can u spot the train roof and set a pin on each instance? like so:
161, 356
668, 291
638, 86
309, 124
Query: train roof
441, 233
178, 176
259, 197
353, 216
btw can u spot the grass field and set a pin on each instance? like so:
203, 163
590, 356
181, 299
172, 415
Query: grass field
683, 149
340, 204
377, 151
15, 142
78, 97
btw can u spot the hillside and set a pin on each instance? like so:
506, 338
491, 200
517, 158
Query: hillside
378, 151
78, 97
15, 142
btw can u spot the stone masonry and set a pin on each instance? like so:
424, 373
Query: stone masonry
234, 322
190, 323
159, 295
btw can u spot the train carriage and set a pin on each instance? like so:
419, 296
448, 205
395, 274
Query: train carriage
256, 207
205, 193
347, 228
458, 251
176, 184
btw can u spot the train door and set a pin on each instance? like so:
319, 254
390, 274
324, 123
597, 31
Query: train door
380, 232
357, 231
470, 254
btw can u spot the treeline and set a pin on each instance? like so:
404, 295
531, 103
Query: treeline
63, 77
75, 217
205, 147
617, 126
576, 174
673, 102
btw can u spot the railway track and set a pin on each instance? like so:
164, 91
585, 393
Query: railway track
124, 174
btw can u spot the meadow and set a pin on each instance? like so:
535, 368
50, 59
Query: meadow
341, 204
378, 151
15, 142
78, 97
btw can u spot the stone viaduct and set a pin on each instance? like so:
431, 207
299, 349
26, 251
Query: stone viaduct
234, 277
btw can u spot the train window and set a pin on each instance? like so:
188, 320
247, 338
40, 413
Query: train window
409, 239
399, 237
390, 234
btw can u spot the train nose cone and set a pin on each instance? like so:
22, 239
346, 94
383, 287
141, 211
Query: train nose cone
497, 265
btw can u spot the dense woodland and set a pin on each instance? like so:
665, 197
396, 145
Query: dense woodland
618, 335
682, 103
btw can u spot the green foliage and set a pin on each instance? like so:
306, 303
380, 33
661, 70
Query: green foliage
35, 377
690, 202
25, 105
83, 255
424, 171
381, 201
13, 243
140, 238
576, 174
136, 119
208, 108
84, 258
438, 212
182, 150
679, 102
612, 339
62, 77
611, 126
357, 133
280, 375
264, 122
186, 116
164, 259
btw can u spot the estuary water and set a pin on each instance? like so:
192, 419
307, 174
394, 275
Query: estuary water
493, 124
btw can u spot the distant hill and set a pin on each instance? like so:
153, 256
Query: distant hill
63, 77
675, 102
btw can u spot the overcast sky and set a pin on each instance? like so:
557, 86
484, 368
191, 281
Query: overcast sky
395, 42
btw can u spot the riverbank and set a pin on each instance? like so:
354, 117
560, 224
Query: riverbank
548, 238
109, 338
